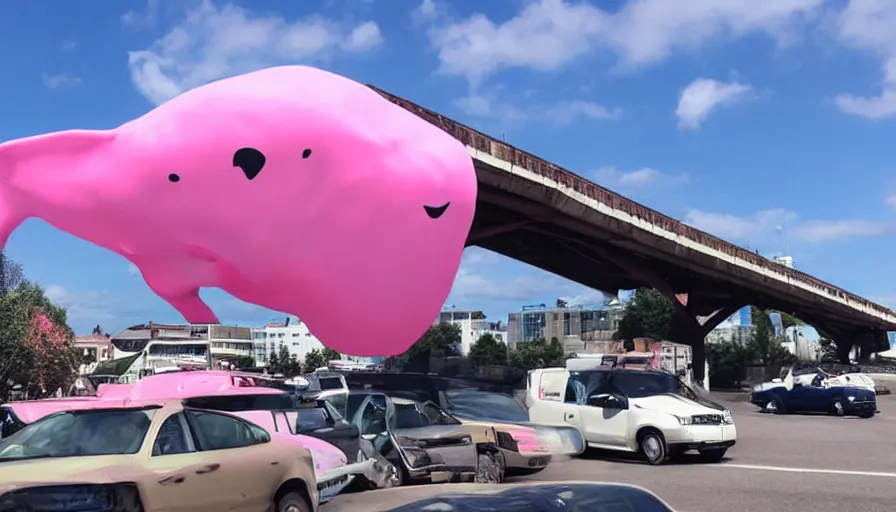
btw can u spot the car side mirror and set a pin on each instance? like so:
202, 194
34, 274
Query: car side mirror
606, 401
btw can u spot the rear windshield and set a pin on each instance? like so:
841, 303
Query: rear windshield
239, 403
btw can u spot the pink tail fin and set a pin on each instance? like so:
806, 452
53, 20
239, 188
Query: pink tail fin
31, 164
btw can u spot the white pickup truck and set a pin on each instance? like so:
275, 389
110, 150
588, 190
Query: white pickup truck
643, 411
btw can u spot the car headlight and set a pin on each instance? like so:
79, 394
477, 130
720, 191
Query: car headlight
417, 458
727, 419
73, 498
851, 399
685, 420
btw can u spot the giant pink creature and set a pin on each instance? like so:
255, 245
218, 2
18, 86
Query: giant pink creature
291, 188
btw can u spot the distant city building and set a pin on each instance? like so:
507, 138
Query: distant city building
571, 325
292, 333
151, 348
94, 348
472, 325
730, 333
787, 261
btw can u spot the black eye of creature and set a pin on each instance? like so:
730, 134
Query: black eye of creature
306, 153
250, 160
435, 212
173, 178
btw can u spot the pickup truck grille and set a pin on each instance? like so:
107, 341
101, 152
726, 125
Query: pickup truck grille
708, 419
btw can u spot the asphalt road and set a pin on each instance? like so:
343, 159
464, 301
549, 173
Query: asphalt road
781, 463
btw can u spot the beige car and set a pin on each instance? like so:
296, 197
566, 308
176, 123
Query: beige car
157, 456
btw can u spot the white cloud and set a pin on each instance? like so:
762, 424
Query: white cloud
547, 35
145, 18
702, 96
427, 11
868, 25
60, 80
613, 178
762, 226
211, 43
85, 307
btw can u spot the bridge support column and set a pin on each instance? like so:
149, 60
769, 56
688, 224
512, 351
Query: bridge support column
865, 341
687, 327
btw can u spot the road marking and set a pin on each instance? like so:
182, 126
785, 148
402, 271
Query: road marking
809, 470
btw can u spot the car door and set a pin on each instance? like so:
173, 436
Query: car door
605, 416
239, 456
372, 425
177, 485
803, 398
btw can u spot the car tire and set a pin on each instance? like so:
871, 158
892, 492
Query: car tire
867, 415
293, 502
488, 469
773, 406
837, 408
652, 447
713, 455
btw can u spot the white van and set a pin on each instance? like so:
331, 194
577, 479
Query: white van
644, 411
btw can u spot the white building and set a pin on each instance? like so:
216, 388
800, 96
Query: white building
472, 325
292, 334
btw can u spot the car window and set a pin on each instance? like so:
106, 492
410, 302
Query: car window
340, 404
353, 403
80, 433
484, 405
221, 432
437, 416
9, 422
328, 383
311, 419
373, 419
173, 438
239, 403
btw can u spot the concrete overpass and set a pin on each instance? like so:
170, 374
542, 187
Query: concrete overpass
539, 213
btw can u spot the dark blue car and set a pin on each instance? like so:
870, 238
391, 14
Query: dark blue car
838, 401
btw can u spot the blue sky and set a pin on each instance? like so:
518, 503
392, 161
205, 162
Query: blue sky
735, 116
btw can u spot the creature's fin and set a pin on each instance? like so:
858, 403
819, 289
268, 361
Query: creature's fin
31, 163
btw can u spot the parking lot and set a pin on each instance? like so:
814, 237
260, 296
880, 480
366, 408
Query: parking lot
792, 463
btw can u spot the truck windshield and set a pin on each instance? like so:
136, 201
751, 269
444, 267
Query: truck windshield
643, 384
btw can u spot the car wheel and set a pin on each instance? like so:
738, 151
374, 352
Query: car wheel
837, 408
293, 502
488, 470
773, 407
653, 448
502, 467
869, 414
714, 455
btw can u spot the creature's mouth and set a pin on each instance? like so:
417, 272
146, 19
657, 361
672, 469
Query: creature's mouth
435, 212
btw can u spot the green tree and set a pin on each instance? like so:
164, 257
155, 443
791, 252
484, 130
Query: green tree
440, 340
487, 351
36, 344
273, 362
539, 353
244, 362
728, 362
97, 331
648, 314
314, 359
562, 303
330, 355
295, 366
764, 346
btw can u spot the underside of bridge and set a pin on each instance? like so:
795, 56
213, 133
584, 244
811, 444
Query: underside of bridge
532, 220
540, 234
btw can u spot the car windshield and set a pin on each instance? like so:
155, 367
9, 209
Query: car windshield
80, 433
636, 384
330, 383
484, 406
409, 416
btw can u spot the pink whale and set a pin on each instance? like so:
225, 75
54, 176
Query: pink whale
290, 188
